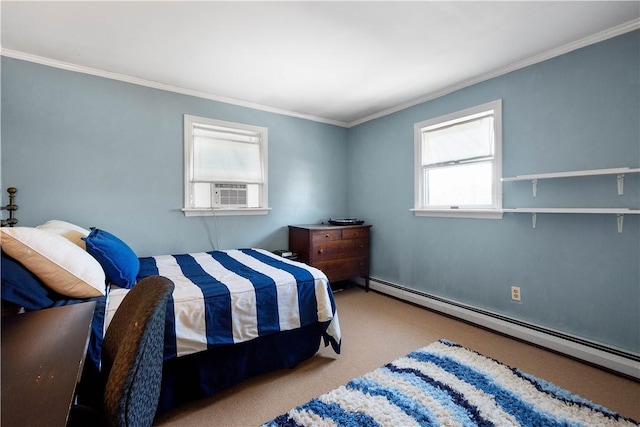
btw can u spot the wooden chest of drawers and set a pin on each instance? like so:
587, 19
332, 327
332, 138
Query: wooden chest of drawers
341, 252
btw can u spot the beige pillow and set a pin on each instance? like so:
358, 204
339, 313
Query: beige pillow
60, 264
67, 230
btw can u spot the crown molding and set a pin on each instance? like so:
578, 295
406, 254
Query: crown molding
595, 38
161, 86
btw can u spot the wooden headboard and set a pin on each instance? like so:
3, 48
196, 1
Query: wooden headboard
11, 207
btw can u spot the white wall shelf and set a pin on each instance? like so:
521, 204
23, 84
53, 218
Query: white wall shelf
619, 212
620, 172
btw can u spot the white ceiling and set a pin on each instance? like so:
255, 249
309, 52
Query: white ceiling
337, 62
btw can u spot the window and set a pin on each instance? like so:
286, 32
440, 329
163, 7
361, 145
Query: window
225, 168
458, 164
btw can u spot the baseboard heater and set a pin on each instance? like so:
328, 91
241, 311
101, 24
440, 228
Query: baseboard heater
615, 359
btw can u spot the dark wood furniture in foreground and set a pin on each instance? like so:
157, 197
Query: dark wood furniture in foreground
42, 356
340, 251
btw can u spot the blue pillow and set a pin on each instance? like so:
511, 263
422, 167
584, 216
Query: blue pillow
119, 262
21, 287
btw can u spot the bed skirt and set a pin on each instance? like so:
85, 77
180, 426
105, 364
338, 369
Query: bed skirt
192, 377
189, 378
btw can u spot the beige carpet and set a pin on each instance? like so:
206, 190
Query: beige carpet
377, 329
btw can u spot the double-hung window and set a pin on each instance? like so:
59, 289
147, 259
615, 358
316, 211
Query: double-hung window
458, 164
225, 167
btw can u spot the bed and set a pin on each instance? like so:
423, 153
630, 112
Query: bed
234, 313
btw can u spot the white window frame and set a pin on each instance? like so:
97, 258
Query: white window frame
491, 212
264, 209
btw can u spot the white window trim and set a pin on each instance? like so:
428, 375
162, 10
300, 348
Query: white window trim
494, 212
188, 155
224, 211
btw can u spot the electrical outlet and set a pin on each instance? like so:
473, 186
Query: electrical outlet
515, 293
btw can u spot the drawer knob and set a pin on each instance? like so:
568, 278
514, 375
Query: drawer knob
326, 235
320, 251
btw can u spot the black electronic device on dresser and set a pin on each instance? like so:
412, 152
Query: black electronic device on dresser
345, 221
340, 251
285, 253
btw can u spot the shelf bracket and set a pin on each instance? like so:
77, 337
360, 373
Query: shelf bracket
620, 222
620, 184
534, 183
534, 219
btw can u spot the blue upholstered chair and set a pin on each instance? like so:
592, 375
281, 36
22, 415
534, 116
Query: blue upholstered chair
132, 355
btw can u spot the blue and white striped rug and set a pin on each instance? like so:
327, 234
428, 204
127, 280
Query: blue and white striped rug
445, 384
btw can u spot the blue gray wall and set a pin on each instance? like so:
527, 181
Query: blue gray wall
577, 274
104, 153
99, 152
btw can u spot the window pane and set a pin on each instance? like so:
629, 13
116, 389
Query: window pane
460, 185
201, 195
466, 140
226, 161
253, 195
217, 132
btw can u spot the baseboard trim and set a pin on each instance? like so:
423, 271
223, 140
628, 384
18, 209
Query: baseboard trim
615, 359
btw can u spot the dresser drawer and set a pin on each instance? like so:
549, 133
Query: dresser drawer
340, 234
339, 249
344, 268
355, 233
325, 235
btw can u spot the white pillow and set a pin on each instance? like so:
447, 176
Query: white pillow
59, 263
67, 230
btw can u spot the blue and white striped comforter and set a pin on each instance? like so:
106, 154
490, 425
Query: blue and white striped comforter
233, 296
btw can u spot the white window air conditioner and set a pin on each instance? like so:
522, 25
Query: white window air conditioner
229, 195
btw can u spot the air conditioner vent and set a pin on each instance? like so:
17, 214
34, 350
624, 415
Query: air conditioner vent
230, 195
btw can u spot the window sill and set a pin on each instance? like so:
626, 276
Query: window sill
460, 213
225, 211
